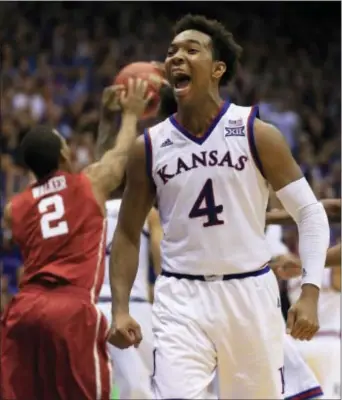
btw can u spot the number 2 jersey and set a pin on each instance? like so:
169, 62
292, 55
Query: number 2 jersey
61, 231
211, 194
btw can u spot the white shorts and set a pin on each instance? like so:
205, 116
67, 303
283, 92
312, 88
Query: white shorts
234, 326
133, 367
323, 355
300, 381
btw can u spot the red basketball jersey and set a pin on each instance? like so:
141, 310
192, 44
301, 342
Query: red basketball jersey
61, 230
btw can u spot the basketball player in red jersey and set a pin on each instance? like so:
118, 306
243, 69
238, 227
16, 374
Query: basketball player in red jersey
53, 337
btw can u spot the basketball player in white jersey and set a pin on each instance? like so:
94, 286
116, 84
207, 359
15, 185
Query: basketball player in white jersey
134, 367
216, 305
300, 381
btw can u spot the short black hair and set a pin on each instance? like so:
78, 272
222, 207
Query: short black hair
40, 150
224, 46
168, 104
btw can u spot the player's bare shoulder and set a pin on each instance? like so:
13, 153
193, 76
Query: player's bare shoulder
278, 165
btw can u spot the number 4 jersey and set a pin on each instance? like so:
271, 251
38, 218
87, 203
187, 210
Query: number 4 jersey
211, 194
60, 230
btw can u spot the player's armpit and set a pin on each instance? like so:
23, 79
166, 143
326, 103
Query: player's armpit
156, 236
136, 203
279, 166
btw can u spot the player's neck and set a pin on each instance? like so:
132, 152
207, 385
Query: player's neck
196, 119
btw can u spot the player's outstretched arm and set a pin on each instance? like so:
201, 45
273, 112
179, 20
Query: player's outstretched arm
156, 236
298, 199
137, 201
107, 174
110, 120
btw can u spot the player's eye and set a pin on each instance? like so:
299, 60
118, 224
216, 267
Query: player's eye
170, 52
192, 51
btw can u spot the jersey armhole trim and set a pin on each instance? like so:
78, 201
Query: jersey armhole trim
251, 139
149, 156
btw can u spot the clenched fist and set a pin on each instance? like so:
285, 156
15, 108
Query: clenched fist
124, 332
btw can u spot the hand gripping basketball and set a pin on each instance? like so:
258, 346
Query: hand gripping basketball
135, 99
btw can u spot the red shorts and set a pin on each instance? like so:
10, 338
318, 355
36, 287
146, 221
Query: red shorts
53, 346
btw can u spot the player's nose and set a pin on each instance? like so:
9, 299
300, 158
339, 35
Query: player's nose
177, 59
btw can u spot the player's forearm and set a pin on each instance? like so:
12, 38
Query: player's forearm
127, 133
313, 228
122, 269
124, 138
333, 256
107, 133
117, 156
114, 161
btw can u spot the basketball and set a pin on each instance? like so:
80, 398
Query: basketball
149, 72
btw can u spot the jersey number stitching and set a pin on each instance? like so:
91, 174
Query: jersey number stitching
49, 217
210, 210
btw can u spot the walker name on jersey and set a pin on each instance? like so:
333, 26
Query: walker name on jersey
203, 160
53, 185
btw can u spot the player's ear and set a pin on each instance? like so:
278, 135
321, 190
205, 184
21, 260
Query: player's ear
63, 154
219, 68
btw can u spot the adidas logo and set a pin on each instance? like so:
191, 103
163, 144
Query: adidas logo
167, 142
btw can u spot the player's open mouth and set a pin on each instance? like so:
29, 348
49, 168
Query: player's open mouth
181, 83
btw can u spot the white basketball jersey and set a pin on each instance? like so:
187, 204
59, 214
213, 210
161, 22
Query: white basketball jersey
211, 195
140, 286
329, 304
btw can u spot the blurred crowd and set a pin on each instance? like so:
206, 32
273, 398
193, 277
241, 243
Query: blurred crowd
56, 58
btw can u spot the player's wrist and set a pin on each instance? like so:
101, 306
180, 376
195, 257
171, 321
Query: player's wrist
130, 116
118, 309
310, 291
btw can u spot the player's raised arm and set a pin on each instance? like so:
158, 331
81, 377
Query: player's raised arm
156, 236
137, 201
298, 199
110, 120
108, 172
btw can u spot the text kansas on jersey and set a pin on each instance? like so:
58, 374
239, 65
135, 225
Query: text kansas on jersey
205, 159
